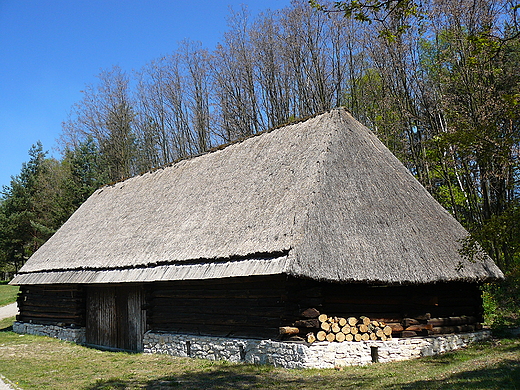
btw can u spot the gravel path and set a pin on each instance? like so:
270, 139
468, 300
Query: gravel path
6, 312
5, 386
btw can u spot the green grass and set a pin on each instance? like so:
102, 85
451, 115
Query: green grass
7, 293
35, 362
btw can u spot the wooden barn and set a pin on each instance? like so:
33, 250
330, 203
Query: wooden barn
242, 240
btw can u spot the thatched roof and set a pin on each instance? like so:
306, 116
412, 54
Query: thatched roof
322, 199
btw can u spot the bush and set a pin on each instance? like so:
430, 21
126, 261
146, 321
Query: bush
502, 301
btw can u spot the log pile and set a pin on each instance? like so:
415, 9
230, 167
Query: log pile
335, 329
427, 326
314, 326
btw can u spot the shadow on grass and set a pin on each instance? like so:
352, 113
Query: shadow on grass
239, 377
6, 325
503, 376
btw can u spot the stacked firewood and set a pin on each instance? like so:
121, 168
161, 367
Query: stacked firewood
314, 326
349, 329
425, 325
339, 329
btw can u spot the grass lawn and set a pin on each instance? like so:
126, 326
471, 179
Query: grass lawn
35, 362
7, 293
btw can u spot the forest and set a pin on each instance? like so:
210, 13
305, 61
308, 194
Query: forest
438, 81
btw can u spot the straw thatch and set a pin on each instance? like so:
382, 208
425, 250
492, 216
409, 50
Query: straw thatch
322, 199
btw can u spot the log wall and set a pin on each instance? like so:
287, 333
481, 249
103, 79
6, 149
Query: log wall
62, 305
256, 307
240, 307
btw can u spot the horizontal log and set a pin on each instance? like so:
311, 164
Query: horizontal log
202, 309
49, 317
310, 313
56, 312
419, 328
395, 326
268, 281
313, 292
410, 321
224, 293
48, 290
288, 330
217, 302
258, 332
310, 323
307, 302
51, 301
408, 333
220, 319
462, 320
48, 307
453, 329
44, 321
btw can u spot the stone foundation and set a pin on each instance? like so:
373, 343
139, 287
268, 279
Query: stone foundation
302, 355
282, 354
76, 335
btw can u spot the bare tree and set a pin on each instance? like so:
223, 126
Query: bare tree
105, 113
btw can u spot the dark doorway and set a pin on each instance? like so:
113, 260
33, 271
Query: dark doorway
115, 318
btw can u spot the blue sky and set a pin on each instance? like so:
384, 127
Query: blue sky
50, 49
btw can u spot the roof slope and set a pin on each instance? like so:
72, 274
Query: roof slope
323, 199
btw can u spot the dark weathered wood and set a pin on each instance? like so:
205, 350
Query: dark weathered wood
410, 321
453, 321
419, 327
52, 304
210, 319
115, 318
220, 293
310, 323
310, 313
454, 329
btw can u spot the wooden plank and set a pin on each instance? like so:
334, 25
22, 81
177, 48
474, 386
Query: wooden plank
223, 294
206, 319
460, 320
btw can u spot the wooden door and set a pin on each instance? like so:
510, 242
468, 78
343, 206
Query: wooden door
115, 319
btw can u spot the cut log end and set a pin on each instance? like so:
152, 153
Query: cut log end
321, 335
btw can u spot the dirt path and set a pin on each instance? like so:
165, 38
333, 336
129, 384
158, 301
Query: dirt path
3, 385
8, 311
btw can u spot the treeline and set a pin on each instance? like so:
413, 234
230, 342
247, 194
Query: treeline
440, 86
